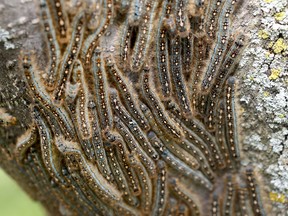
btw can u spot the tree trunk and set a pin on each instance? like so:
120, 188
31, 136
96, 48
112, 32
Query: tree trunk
128, 128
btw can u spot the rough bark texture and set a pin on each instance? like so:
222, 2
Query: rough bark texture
261, 90
263, 96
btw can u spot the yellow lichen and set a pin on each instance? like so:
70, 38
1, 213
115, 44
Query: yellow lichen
275, 197
281, 115
263, 34
274, 74
279, 46
267, 55
268, 1
270, 44
266, 94
279, 16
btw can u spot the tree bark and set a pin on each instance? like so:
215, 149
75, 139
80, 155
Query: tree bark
261, 103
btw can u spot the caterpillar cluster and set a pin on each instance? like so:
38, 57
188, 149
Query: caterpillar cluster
135, 112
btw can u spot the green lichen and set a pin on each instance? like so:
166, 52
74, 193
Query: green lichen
263, 34
274, 74
266, 94
251, 78
279, 16
275, 197
279, 46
